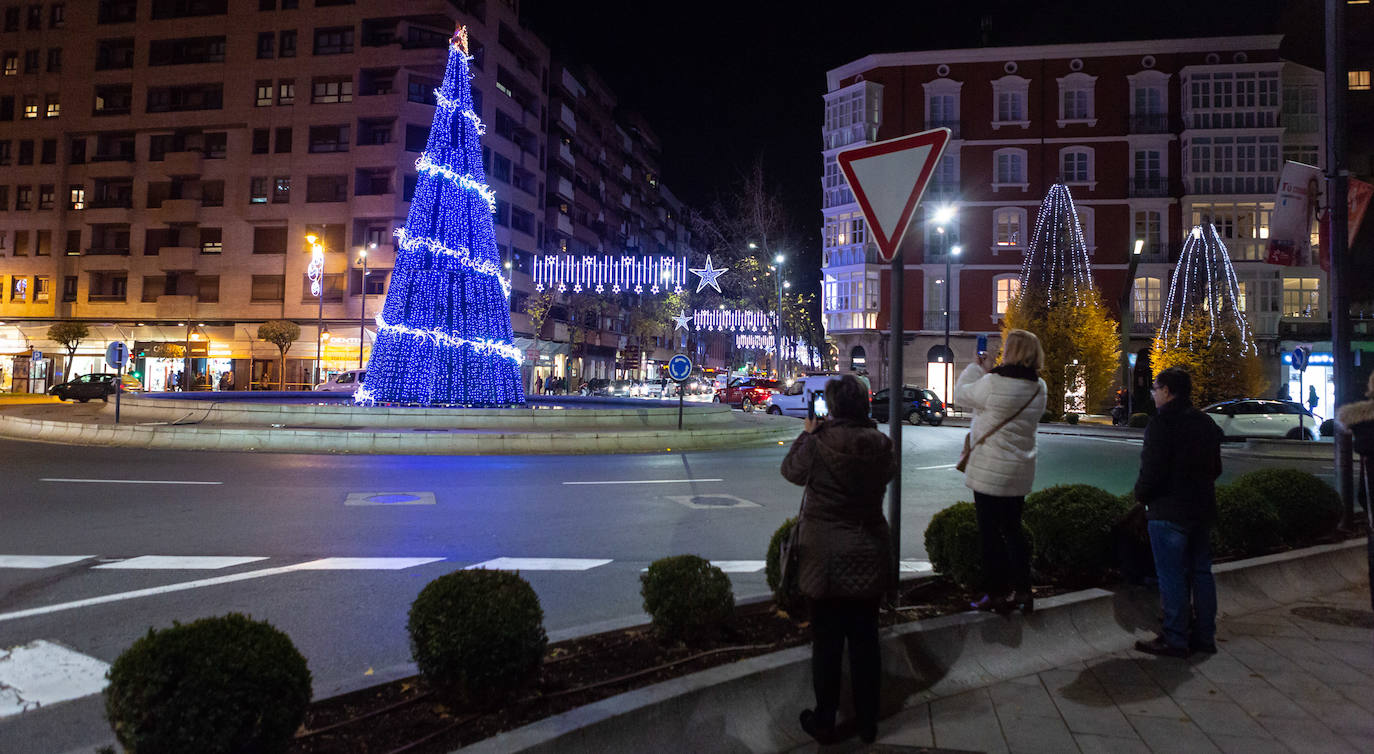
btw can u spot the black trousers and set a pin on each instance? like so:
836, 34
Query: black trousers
833, 622
1006, 554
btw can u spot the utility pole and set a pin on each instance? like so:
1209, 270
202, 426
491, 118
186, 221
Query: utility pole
1127, 322
894, 424
1338, 177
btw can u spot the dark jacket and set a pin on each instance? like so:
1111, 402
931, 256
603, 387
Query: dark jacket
1358, 419
845, 546
1179, 465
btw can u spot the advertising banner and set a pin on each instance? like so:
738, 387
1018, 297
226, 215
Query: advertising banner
1290, 226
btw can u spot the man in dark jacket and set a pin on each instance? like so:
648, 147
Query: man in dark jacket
1179, 464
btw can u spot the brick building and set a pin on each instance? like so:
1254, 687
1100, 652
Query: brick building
1150, 136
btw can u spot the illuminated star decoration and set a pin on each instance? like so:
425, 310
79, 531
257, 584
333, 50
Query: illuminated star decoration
681, 320
708, 275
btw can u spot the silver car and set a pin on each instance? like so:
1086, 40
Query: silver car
343, 382
1254, 417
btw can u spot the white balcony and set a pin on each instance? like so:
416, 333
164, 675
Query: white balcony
566, 117
564, 188
565, 153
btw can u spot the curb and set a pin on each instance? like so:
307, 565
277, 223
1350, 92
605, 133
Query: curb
752, 705
324, 440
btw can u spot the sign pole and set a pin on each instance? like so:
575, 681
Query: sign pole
896, 397
679, 406
119, 389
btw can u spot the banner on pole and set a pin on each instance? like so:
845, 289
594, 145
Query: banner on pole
1357, 194
1290, 225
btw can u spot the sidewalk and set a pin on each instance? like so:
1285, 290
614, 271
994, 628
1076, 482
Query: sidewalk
1297, 678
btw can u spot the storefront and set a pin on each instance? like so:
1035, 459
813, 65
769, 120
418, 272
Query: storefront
1319, 376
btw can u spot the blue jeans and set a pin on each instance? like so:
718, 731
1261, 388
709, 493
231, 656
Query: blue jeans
1187, 592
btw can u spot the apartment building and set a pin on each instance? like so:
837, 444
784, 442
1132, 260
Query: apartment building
165, 160
1150, 136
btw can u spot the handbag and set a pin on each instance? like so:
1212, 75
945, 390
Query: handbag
789, 558
970, 445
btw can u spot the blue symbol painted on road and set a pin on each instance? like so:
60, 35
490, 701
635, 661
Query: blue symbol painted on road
679, 367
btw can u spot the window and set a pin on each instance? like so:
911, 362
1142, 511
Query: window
53, 106
76, 198
372, 181
7, 108
154, 286
113, 54
269, 240
1301, 297
207, 289
287, 46
1085, 225
1005, 290
45, 197
4, 207
211, 240
69, 282
1147, 175
1076, 165
267, 45
1010, 169
281, 189
331, 91
43, 243
942, 104
421, 89
1146, 301
264, 95
54, 60
21, 243
23, 199
1009, 228
261, 140
326, 188
11, 65
170, 99
31, 61
1009, 102
286, 92
1231, 99
1357, 81
416, 136
502, 215
1076, 99
268, 288
35, 18
336, 40
30, 106
19, 289
12, 18
186, 51
26, 152
331, 288
5, 152
408, 187
257, 190
1149, 229
187, 8
501, 168
521, 220
42, 289
283, 140
57, 16
1243, 226
374, 131
1232, 164
212, 194
328, 139
48, 155
852, 115
108, 286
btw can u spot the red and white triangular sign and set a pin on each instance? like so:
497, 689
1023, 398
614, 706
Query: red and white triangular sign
888, 179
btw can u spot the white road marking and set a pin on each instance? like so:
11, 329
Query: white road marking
121, 481
539, 564
364, 564
40, 674
930, 468
649, 481
40, 561
916, 566
739, 566
180, 562
313, 565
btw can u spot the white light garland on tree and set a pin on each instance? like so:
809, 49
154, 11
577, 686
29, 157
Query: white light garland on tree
427, 165
1205, 285
1056, 260
407, 242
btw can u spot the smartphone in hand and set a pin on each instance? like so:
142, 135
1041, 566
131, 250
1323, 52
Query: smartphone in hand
817, 408
982, 344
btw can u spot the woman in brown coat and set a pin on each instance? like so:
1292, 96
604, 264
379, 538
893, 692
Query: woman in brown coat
845, 550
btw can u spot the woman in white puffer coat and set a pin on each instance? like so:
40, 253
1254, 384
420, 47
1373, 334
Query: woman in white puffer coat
1007, 403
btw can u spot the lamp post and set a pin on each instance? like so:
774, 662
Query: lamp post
362, 316
1127, 322
943, 215
315, 271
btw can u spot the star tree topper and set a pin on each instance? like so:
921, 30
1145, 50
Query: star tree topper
682, 320
708, 275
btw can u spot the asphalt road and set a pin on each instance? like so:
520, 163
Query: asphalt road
348, 617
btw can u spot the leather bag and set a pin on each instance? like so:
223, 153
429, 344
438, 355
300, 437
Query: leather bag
969, 445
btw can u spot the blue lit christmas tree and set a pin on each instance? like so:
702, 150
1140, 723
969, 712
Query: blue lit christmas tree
444, 337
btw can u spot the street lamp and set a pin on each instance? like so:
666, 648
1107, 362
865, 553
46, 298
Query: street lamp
315, 271
362, 317
943, 215
1127, 322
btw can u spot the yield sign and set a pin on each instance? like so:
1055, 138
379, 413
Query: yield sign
888, 179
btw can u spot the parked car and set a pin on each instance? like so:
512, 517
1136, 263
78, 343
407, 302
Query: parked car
343, 382
747, 392
794, 399
597, 386
95, 385
1256, 417
918, 405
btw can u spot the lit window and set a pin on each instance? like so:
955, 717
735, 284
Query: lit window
1145, 299
1301, 297
54, 107
30, 107
264, 96
1007, 288
1010, 223
78, 198
1358, 81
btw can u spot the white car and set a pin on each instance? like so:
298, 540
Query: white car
1253, 417
794, 399
343, 382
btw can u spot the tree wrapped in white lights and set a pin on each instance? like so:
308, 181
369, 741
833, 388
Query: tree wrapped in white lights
1204, 329
1059, 302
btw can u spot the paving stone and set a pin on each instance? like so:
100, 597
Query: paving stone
1246, 627
967, 721
1300, 684
1262, 661
1033, 734
1262, 701
1219, 669
1022, 699
1308, 736
1094, 719
1120, 671
1297, 650
1353, 654
1165, 735
1361, 694
1247, 745
1150, 701
1336, 672
1181, 681
1222, 717
910, 727
1344, 717
1090, 744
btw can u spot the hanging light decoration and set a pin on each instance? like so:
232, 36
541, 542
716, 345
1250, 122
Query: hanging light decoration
1056, 261
1204, 287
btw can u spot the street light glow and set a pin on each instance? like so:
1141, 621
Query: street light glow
777, 259
955, 250
1139, 245
753, 245
944, 213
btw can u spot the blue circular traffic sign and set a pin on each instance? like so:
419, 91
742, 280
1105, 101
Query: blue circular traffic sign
679, 367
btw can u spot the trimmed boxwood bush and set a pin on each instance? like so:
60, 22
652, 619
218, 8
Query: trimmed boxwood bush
226, 684
1071, 418
478, 635
685, 596
1307, 507
1246, 524
1071, 526
953, 545
773, 568
1138, 420
1046, 417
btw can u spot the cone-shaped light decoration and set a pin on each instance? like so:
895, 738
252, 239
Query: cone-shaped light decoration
1204, 289
1056, 263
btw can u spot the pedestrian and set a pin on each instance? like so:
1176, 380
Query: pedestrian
1358, 419
538, 385
1179, 464
1312, 398
1007, 403
845, 551
226, 380
1284, 394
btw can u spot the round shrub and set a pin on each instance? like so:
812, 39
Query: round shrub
953, 545
685, 595
773, 568
477, 635
1138, 420
1328, 428
1046, 417
1308, 509
226, 684
1071, 526
1246, 524
1071, 418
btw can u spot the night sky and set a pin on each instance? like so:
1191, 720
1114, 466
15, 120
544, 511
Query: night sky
722, 82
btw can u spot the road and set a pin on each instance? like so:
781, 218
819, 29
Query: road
283, 522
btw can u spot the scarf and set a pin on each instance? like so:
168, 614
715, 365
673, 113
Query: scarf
1016, 372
